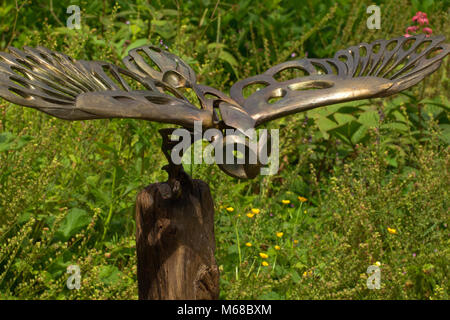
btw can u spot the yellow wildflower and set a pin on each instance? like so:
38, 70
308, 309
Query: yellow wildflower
248, 244
279, 234
285, 201
277, 247
392, 231
230, 209
307, 273
250, 215
256, 211
264, 263
263, 255
295, 241
302, 199
378, 263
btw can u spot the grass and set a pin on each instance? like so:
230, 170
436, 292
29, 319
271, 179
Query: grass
67, 189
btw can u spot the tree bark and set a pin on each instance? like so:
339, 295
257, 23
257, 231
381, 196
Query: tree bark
175, 242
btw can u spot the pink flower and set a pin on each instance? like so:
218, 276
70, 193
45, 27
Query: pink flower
412, 29
423, 21
421, 18
419, 15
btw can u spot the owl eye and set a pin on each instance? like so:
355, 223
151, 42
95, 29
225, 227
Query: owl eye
241, 158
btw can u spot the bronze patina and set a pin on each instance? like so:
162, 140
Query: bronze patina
70, 89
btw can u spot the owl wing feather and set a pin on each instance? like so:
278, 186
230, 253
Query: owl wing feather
378, 69
57, 84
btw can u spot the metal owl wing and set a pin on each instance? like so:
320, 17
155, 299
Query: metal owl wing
56, 84
176, 73
378, 69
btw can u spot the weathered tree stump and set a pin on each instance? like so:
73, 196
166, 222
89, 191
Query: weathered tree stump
175, 241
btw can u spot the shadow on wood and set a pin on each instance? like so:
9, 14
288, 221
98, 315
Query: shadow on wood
175, 242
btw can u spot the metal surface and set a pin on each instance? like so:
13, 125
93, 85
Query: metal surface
151, 87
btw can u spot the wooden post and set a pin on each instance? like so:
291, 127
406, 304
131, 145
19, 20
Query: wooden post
175, 241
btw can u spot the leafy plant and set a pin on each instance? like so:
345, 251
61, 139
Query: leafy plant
67, 189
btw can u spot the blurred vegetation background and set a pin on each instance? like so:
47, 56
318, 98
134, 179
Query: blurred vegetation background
359, 184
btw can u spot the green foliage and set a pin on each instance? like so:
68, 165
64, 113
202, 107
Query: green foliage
67, 189
74, 221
